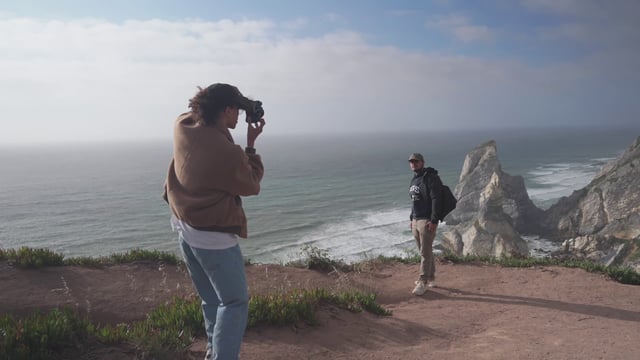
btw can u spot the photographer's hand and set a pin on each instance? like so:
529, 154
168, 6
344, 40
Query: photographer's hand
253, 130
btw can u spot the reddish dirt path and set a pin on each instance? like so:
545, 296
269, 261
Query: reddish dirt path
476, 312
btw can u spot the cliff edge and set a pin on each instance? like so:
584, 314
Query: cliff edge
601, 221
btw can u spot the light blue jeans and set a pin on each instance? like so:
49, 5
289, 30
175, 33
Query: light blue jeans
219, 277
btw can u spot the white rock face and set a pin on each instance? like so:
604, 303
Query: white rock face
601, 222
491, 205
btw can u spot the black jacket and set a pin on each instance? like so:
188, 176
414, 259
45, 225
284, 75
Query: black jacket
426, 193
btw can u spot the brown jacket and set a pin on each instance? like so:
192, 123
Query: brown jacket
207, 176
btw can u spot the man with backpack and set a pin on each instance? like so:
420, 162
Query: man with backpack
426, 194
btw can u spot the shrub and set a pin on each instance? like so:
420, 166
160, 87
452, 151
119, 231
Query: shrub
26, 257
314, 258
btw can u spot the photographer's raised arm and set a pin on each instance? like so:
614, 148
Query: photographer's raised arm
246, 176
253, 131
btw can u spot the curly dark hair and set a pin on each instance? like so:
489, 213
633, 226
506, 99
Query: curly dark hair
209, 102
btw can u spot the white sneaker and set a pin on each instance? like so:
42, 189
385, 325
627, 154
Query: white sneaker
431, 284
420, 289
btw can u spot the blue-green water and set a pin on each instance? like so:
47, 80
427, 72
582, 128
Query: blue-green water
343, 193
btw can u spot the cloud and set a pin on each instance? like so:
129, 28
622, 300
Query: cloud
473, 33
335, 18
461, 28
91, 79
443, 2
605, 32
564, 7
595, 24
299, 23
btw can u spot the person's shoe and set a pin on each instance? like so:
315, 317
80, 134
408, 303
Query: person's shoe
209, 354
420, 289
431, 284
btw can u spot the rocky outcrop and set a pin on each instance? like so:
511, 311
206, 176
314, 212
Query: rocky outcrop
601, 222
493, 209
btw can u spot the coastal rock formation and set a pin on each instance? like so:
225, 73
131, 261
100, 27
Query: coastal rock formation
493, 209
601, 222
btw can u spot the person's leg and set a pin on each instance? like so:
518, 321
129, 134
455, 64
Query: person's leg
429, 268
416, 234
203, 285
420, 232
226, 272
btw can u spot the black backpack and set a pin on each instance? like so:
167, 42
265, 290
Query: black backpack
448, 202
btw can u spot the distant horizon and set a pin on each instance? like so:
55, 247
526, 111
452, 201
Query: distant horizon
238, 135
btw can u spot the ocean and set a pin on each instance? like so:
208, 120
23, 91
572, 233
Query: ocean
346, 194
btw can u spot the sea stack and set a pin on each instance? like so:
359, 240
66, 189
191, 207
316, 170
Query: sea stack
493, 209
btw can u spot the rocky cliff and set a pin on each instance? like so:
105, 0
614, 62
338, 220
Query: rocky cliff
493, 209
601, 222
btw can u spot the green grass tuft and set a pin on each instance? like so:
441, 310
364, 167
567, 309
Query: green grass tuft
39, 336
127, 257
26, 257
300, 305
314, 258
283, 308
356, 301
166, 331
410, 258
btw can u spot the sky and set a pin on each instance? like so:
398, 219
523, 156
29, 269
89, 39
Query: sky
85, 70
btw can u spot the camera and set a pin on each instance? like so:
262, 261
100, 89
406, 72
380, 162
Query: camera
253, 109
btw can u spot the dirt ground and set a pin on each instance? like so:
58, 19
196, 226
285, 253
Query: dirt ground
475, 312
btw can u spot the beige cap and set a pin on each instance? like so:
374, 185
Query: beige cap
416, 156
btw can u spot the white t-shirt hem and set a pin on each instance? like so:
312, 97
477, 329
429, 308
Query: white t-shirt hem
209, 240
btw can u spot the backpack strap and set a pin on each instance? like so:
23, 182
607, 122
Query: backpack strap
424, 189
427, 179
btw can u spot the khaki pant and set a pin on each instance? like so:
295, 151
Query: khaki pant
424, 239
